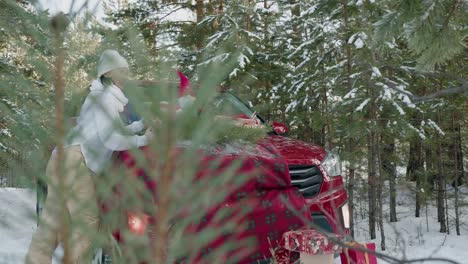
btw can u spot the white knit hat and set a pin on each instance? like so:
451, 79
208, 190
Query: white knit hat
110, 60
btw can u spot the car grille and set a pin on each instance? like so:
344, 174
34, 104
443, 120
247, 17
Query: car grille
307, 179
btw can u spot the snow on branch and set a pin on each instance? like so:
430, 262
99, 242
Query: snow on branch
220, 58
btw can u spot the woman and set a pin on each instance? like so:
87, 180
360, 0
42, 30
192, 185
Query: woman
99, 132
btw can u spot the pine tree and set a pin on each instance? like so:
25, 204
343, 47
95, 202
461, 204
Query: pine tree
24, 94
430, 28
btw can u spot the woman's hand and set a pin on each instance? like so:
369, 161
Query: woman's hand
149, 134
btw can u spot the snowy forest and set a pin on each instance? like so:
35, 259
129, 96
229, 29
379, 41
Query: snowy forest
382, 83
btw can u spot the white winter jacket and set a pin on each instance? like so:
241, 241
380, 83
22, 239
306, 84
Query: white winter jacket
99, 128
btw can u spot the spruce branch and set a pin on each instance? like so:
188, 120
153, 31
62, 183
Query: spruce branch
414, 71
450, 14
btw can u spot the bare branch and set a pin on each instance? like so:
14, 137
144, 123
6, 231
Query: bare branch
446, 92
428, 74
463, 89
449, 91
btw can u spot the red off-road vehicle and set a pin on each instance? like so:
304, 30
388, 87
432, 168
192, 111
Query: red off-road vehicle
304, 174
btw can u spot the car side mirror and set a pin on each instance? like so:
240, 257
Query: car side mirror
280, 128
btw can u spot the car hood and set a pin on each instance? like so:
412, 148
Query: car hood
297, 152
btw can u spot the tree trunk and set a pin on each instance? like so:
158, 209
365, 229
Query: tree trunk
266, 23
200, 10
379, 200
415, 169
433, 169
266, 36
326, 139
248, 16
389, 170
461, 167
350, 189
360, 198
372, 177
392, 184
415, 158
457, 150
371, 182
167, 167
59, 24
349, 86
426, 205
417, 211
457, 213
440, 196
458, 168
446, 208
430, 161
200, 16
295, 12
440, 189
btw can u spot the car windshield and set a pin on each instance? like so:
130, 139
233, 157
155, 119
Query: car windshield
229, 105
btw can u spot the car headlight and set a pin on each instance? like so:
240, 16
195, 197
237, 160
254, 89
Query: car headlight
346, 216
332, 164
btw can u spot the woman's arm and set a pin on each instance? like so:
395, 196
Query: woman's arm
111, 130
136, 126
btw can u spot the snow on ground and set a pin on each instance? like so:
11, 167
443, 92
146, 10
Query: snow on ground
416, 238
17, 223
407, 238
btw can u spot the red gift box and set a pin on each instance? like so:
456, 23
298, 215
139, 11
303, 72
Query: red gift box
311, 242
356, 253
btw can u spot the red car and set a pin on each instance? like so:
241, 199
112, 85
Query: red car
307, 174
311, 171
